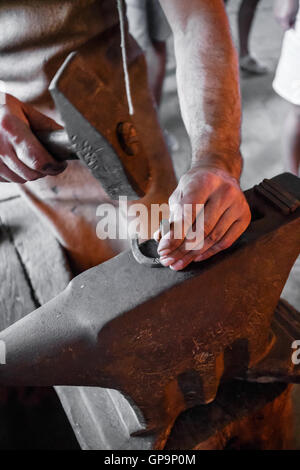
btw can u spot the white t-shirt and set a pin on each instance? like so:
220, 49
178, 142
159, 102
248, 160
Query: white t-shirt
287, 78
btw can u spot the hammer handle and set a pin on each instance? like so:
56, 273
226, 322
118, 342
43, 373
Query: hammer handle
57, 143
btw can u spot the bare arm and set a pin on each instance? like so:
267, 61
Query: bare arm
208, 87
207, 77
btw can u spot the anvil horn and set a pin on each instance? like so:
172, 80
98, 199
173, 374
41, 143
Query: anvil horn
166, 339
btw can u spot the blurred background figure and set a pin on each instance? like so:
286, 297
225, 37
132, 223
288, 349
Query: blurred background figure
287, 78
246, 14
150, 28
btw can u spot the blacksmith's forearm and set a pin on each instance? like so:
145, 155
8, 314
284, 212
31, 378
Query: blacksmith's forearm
210, 100
208, 82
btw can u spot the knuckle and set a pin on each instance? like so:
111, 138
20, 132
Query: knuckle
230, 191
207, 230
178, 254
36, 164
224, 244
206, 233
213, 237
209, 180
173, 247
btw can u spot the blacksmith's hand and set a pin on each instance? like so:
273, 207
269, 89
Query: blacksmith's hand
226, 216
22, 156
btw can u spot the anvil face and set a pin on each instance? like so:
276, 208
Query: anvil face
165, 339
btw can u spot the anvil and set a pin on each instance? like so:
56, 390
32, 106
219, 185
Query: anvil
165, 339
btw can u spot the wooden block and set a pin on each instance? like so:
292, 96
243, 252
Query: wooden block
40, 253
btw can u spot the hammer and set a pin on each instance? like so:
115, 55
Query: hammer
127, 154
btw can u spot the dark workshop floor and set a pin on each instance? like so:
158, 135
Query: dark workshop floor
33, 419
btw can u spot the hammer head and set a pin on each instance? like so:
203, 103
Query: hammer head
125, 153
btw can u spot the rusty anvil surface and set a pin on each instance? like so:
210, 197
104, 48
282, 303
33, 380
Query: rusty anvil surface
167, 339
